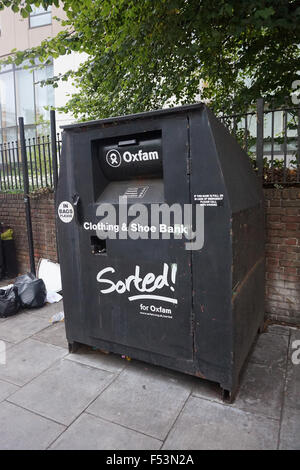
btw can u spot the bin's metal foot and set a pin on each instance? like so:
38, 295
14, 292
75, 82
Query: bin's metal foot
228, 396
73, 347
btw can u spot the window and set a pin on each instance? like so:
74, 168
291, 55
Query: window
25, 101
43, 94
39, 16
7, 95
21, 94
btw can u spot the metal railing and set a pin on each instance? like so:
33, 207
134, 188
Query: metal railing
41, 155
39, 158
270, 136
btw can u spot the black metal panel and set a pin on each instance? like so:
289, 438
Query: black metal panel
198, 318
211, 264
2, 267
130, 157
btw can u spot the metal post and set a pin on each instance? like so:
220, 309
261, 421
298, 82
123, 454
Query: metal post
54, 164
260, 137
26, 196
298, 146
54, 148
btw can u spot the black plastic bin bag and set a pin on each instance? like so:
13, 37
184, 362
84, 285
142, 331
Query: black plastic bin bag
32, 291
9, 302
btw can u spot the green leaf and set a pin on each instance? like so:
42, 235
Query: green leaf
24, 13
265, 13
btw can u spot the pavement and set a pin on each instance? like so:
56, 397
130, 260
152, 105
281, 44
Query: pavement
50, 399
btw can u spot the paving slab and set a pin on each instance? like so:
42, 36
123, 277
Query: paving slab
144, 404
62, 392
4, 345
86, 355
204, 424
92, 433
290, 429
7, 344
261, 390
22, 430
53, 334
47, 310
143, 400
279, 330
271, 350
28, 359
6, 389
21, 326
292, 398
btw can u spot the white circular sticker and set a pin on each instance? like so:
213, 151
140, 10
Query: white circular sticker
65, 211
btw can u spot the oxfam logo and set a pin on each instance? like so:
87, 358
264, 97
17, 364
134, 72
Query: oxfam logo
113, 158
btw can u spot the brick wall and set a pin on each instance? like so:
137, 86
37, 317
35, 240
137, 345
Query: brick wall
283, 254
12, 212
282, 244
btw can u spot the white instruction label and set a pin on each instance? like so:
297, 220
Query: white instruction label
65, 211
212, 200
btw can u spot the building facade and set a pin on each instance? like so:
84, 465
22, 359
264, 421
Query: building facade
21, 93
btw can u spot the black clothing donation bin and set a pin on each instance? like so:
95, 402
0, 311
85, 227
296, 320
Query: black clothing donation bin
161, 241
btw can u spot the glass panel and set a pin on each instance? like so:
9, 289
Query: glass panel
30, 132
10, 134
268, 147
25, 95
292, 124
278, 124
43, 129
252, 125
39, 16
7, 99
5, 68
40, 20
292, 145
44, 95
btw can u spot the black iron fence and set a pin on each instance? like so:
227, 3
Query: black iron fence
40, 156
39, 162
271, 138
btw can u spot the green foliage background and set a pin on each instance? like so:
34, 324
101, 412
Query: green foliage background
145, 54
